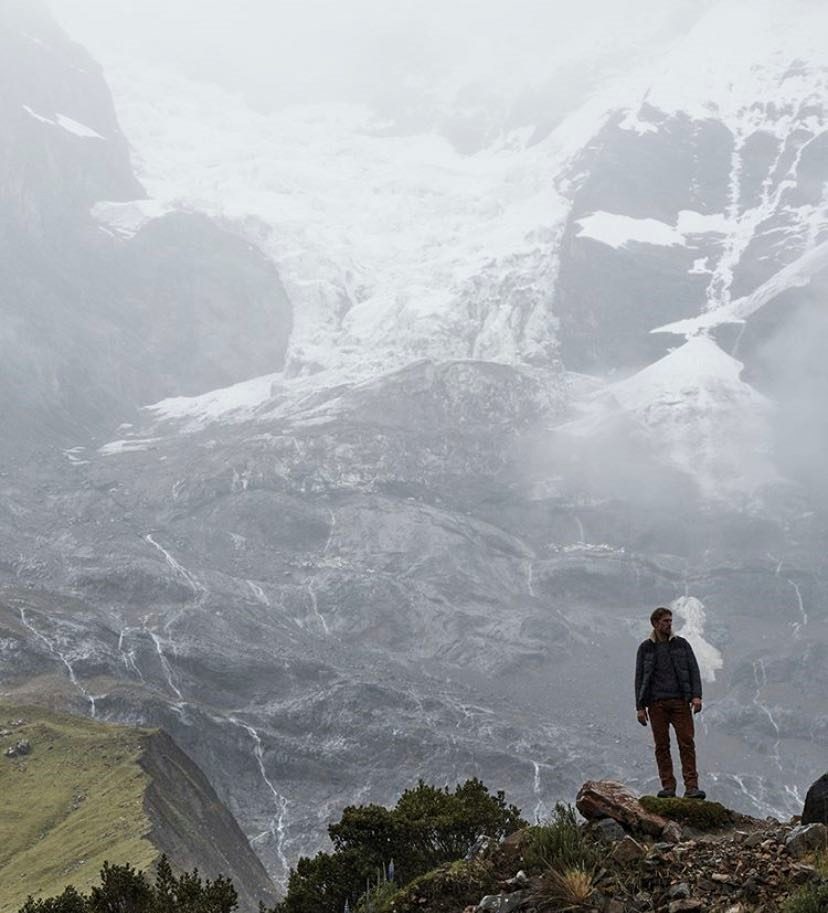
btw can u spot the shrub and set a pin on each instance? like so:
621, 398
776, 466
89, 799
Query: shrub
812, 899
560, 843
123, 889
429, 826
68, 902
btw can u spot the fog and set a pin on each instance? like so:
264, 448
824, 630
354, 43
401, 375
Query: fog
372, 52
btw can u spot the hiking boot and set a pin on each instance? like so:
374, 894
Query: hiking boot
667, 793
694, 793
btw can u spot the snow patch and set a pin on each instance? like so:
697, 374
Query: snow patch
127, 445
616, 230
692, 613
66, 123
240, 400
634, 124
708, 423
127, 219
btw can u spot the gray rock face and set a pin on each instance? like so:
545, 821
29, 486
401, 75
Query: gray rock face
608, 829
806, 838
816, 802
97, 324
193, 828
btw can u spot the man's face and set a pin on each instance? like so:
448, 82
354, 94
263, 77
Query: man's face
664, 626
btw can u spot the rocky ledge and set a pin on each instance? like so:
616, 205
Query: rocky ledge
635, 854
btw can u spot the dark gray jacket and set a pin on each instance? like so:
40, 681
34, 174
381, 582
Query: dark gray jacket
684, 662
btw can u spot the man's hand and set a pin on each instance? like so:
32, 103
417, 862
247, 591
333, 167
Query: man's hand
642, 717
697, 705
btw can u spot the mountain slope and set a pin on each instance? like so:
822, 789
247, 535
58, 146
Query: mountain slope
382, 554
86, 792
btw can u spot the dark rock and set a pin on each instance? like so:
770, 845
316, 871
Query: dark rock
684, 905
815, 810
628, 850
520, 880
679, 891
22, 747
805, 838
800, 874
502, 903
672, 833
608, 829
480, 845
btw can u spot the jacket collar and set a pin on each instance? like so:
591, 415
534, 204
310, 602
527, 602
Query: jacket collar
653, 637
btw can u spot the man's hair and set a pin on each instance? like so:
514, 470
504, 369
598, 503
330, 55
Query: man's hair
659, 613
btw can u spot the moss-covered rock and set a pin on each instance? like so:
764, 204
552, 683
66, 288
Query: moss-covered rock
702, 815
446, 889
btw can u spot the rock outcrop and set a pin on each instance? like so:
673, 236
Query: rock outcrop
609, 799
816, 802
751, 866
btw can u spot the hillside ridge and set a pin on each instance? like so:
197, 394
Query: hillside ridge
79, 792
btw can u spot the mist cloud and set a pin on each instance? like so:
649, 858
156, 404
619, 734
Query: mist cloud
372, 52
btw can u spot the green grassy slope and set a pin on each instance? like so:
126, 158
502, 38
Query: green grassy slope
74, 801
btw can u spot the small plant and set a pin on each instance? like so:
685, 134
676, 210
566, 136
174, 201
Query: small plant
376, 898
813, 899
565, 890
378, 894
560, 844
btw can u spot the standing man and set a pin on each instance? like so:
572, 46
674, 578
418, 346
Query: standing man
667, 685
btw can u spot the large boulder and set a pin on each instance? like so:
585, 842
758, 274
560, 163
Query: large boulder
816, 802
807, 838
610, 799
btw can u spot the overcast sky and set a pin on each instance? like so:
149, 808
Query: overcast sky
279, 51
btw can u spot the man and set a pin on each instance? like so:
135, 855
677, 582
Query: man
667, 685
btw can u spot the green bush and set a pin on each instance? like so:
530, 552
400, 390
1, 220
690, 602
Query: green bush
560, 843
125, 890
428, 826
813, 899
702, 815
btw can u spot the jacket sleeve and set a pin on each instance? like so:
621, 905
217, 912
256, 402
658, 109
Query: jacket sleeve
639, 675
695, 674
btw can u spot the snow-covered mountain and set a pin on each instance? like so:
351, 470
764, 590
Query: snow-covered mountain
359, 530
677, 189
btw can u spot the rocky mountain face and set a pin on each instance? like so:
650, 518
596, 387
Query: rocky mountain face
94, 325
429, 546
79, 792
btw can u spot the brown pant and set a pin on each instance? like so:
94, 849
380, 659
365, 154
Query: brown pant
677, 712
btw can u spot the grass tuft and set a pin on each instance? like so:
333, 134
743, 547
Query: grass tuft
812, 899
565, 890
560, 843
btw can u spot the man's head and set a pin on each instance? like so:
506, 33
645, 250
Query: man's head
662, 622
